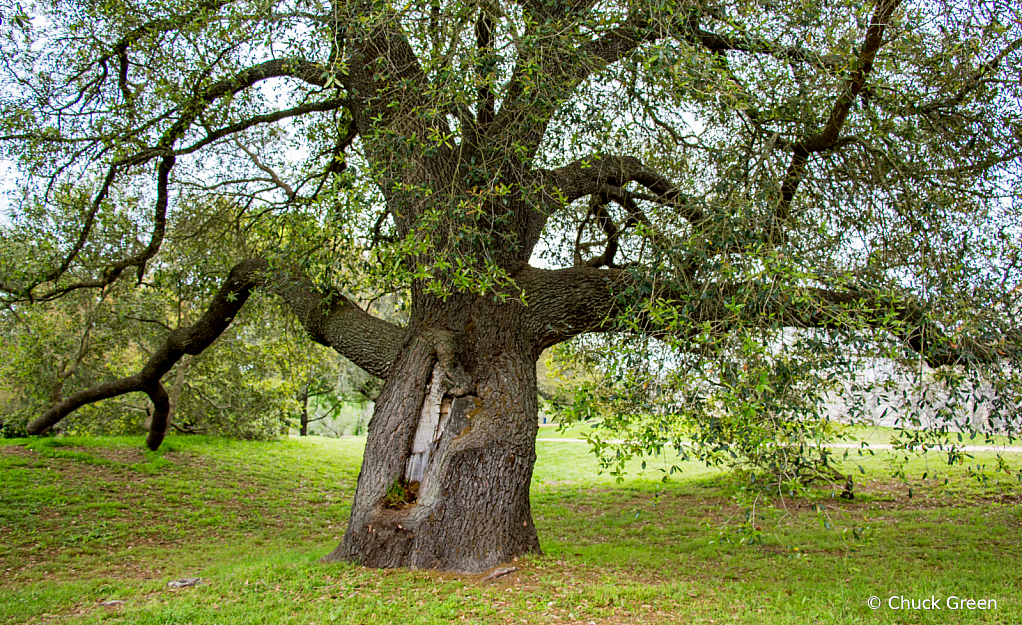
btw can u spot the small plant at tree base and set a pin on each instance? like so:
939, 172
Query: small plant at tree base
401, 494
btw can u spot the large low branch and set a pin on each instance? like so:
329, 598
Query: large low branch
331, 320
567, 302
190, 340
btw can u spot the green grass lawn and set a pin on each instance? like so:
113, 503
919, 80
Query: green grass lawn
83, 521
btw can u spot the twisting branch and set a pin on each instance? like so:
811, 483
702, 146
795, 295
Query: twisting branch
303, 70
602, 173
274, 178
578, 239
603, 178
598, 209
331, 320
829, 135
191, 340
121, 49
485, 97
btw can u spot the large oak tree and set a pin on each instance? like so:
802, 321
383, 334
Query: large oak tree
677, 171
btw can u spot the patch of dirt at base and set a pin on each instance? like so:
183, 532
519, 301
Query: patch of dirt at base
128, 456
189, 459
121, 455
886, 495
18, 450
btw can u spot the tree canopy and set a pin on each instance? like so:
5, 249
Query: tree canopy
722, 200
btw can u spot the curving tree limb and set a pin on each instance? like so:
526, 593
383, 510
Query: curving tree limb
331, 320
295, 68
828, 136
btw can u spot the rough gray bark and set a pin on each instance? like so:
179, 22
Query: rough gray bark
472, 468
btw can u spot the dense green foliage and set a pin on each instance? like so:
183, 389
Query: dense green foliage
822, 185
250, 387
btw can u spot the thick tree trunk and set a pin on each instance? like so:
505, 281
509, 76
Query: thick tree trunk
450, 451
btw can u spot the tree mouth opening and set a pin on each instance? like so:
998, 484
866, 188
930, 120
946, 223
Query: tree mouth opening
401, 494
